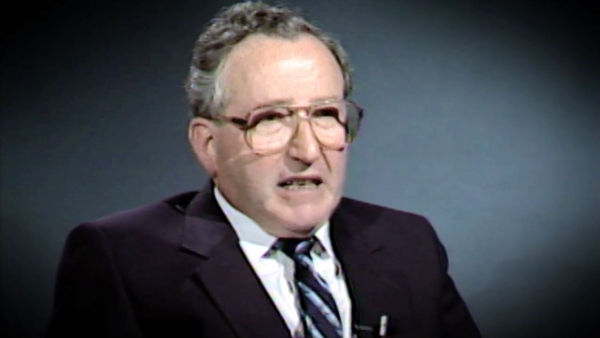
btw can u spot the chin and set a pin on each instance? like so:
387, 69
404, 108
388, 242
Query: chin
305, 219
299, 231
301, 217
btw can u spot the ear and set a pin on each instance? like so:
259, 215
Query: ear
200, 135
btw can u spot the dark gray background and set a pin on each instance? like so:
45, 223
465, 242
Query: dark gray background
482, 116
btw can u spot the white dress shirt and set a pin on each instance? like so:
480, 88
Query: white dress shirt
276, 270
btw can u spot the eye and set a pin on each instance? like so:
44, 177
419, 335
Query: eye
326, 112
267, 116
271, 115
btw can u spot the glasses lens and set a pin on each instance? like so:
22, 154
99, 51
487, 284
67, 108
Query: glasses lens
338, 124
335, 125
354, 117
328, 124
269, 129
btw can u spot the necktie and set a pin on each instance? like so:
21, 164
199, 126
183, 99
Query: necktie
319, 312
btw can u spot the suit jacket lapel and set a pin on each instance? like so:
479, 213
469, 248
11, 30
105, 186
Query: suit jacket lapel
376, 285
224, 272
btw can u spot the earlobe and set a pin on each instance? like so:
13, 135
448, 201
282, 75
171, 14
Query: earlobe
201, 139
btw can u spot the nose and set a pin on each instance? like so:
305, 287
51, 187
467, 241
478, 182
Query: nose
304, 145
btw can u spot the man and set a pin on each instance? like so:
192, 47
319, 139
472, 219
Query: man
269, 248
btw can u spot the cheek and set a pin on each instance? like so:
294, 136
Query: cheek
337, 163
252, 174
262, 171
229, 148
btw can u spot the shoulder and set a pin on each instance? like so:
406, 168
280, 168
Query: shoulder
384, 216
398, 228
153, 212
408, 239
157, 219
139, 248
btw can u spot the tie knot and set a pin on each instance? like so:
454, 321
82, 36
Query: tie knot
295, 246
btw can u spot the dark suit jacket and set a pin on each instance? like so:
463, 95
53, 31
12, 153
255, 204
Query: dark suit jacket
175, 269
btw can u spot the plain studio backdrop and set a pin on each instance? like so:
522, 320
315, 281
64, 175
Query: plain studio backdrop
482, 116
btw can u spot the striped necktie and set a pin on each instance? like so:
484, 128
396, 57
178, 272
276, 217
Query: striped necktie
319, 312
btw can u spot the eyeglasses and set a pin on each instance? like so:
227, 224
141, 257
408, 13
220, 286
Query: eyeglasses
268, 130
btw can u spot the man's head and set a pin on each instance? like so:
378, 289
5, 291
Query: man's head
252, 56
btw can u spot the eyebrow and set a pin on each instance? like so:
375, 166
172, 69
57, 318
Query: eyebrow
288, 102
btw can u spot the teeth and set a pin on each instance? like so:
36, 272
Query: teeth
300, 184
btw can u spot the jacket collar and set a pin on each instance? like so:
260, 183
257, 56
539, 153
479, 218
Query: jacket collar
375, 285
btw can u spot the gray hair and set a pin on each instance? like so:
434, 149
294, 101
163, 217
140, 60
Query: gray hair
233, 24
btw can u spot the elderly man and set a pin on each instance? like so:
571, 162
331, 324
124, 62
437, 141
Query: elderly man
269, 248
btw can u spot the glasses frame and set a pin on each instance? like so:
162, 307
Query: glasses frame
243, 123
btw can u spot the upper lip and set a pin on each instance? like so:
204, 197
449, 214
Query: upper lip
316, 178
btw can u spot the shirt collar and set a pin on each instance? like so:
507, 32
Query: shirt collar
250, 233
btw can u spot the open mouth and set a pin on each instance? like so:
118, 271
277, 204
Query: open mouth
301, 183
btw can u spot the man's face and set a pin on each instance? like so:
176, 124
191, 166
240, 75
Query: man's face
262, 71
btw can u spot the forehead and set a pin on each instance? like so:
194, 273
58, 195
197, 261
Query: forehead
262, 69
